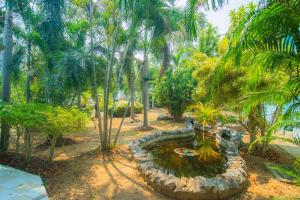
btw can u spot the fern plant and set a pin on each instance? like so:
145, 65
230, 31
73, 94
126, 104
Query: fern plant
292, 173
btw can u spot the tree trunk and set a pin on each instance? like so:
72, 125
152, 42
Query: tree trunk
27, 136
145, 84
108, 78
166, 61
6, 75
132, 91
97, 109
122, 121
79, 100
126, 53
27, 142
52, 149
28, 78
152, 102
19, 132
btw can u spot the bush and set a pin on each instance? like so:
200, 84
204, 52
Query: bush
228, 119
174, 91
24, 118
62, 121
52, 121
121, 106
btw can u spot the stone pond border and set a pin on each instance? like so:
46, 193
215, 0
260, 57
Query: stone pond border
222, 186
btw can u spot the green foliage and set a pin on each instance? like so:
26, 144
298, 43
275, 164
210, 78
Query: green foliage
54, 122
206, 114
62, 121
191, 11
228, 119
29, 116
292, 173
265, 36
121, 106
203, 68
208, 37
174, 91
206, 152
263, 40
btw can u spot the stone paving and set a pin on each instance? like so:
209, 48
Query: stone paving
19, 185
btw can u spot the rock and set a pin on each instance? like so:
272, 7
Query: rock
164, 117
169, 185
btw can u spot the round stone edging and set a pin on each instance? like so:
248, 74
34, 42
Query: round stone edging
201, 188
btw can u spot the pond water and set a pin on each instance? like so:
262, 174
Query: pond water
168, 161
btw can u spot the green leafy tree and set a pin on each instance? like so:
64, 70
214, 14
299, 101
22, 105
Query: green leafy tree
174, 91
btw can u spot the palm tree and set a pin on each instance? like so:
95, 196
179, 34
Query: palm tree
6, 75
268, 36
90, 8
191, 12
150, 16
129, 69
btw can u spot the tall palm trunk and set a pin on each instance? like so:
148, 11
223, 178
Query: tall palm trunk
95, 95
79, 100
166, 60
118, 83
145, 84
27, 136
6, 79
28, 78
132, 91
108, 78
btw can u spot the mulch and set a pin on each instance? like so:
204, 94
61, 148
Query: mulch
36, 166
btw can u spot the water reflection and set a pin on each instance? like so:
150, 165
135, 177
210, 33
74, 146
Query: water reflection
165, 158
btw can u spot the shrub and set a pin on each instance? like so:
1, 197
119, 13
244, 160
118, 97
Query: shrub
174, 91
62, 121
24, 118
228, 119
53, 121
121, 106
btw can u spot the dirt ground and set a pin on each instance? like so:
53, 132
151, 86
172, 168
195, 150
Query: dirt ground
79, 173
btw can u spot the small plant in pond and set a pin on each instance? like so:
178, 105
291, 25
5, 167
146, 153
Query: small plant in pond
61, 121
205, 115
206, 152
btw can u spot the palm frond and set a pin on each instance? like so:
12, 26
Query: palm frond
191, 10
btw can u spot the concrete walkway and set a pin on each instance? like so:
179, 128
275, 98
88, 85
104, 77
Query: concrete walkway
19, 185
293, 150
290, 148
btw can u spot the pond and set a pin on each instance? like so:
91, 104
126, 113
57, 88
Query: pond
165, 158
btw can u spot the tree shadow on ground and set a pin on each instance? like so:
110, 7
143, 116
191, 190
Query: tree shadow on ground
112, 176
